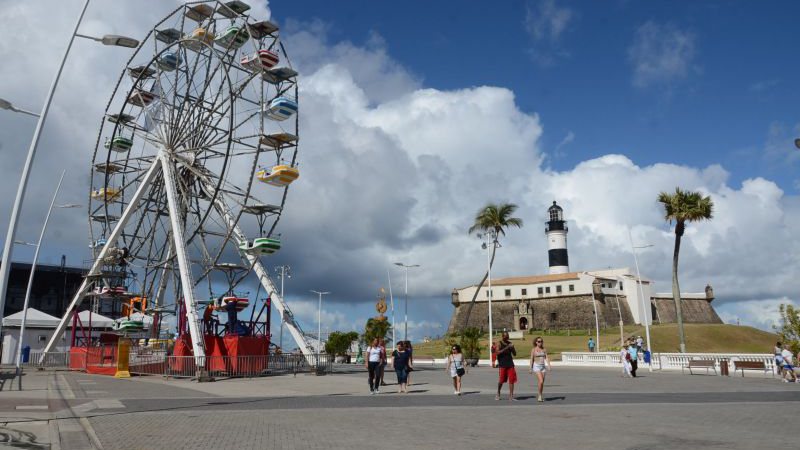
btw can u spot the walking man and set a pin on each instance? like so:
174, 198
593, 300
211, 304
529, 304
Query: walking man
591, 345
505, 361
634, 352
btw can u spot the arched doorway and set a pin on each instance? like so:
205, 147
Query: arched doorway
523, 323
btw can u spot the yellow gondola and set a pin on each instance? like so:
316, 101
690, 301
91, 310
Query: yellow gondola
199, 37
281, 175
106, 194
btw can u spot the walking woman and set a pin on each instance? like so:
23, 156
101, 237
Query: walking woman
455, 364
400, 362
540, 364
410, 351
375, 357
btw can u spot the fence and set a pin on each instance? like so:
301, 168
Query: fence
665, 361
54, 360
229, 366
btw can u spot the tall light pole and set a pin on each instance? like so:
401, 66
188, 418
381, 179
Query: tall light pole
641, 296
490, 244
616, 297
38, 246
596, 317
286, 272
391, 301
405, 325
5, 265
319, 321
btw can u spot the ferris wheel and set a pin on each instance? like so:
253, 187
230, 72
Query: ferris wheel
198, 143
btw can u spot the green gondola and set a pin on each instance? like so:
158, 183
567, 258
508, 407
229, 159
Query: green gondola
119, 144
233, 37
266, 246
131, 325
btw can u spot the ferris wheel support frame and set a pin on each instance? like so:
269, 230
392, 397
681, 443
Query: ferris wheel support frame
184, 268
269, 286
98, 262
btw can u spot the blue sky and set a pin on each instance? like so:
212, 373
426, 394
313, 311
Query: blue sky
738, 84
441, 107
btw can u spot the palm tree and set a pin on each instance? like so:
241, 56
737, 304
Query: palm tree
682, 207
495, 218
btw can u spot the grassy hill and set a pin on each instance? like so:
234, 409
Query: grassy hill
699, 338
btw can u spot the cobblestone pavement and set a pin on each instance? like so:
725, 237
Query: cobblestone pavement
584, 407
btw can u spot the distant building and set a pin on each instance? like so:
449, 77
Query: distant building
564, 299
53, 287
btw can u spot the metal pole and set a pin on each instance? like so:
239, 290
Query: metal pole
5, 265
391, 300
30, 278
641, 295
619, 310
405, 331
489, 243
280, 340
319, 324
596, 320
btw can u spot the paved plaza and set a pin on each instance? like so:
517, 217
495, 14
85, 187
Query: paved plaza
584, 408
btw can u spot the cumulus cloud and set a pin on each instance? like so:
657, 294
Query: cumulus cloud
661, 54
395, 171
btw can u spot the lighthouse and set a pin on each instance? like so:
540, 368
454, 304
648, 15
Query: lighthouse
556, 231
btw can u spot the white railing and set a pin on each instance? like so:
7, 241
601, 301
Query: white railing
666, 361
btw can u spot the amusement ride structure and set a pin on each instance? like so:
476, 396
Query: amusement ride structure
198, 143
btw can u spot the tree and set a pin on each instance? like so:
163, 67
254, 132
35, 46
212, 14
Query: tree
339, 342
682, 207
789, 330
492, 217
375, 328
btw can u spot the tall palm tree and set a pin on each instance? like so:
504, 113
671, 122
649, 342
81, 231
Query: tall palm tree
682, 207
492, 217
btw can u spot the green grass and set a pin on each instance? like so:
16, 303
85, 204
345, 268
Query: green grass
711, 338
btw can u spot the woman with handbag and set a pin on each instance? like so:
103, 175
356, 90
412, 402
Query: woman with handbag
455, 364
400, 363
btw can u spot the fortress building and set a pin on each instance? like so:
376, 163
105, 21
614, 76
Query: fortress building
566, 300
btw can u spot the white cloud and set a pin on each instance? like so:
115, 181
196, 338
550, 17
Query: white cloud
394, 171
762, 313
546, 22
661, 54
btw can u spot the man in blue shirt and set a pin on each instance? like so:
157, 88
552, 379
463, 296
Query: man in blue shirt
591, 345
634, 352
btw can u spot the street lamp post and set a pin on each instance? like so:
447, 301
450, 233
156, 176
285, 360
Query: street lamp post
641, 295
391, 301
489, 245
38, 247
596, 317
8, 106
286, 272
405, 325
319, 321
619, 309
5, 265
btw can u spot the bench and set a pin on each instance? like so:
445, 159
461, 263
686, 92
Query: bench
750, 365
700, 364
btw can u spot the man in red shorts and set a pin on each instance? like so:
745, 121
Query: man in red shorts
505, 361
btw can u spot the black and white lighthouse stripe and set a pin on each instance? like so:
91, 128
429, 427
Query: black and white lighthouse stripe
556, 231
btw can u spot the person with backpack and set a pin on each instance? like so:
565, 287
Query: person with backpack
456, 367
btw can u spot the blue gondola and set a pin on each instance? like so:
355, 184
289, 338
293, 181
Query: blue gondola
169, 61
281, 108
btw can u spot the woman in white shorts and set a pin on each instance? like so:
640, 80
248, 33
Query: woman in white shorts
540, 364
